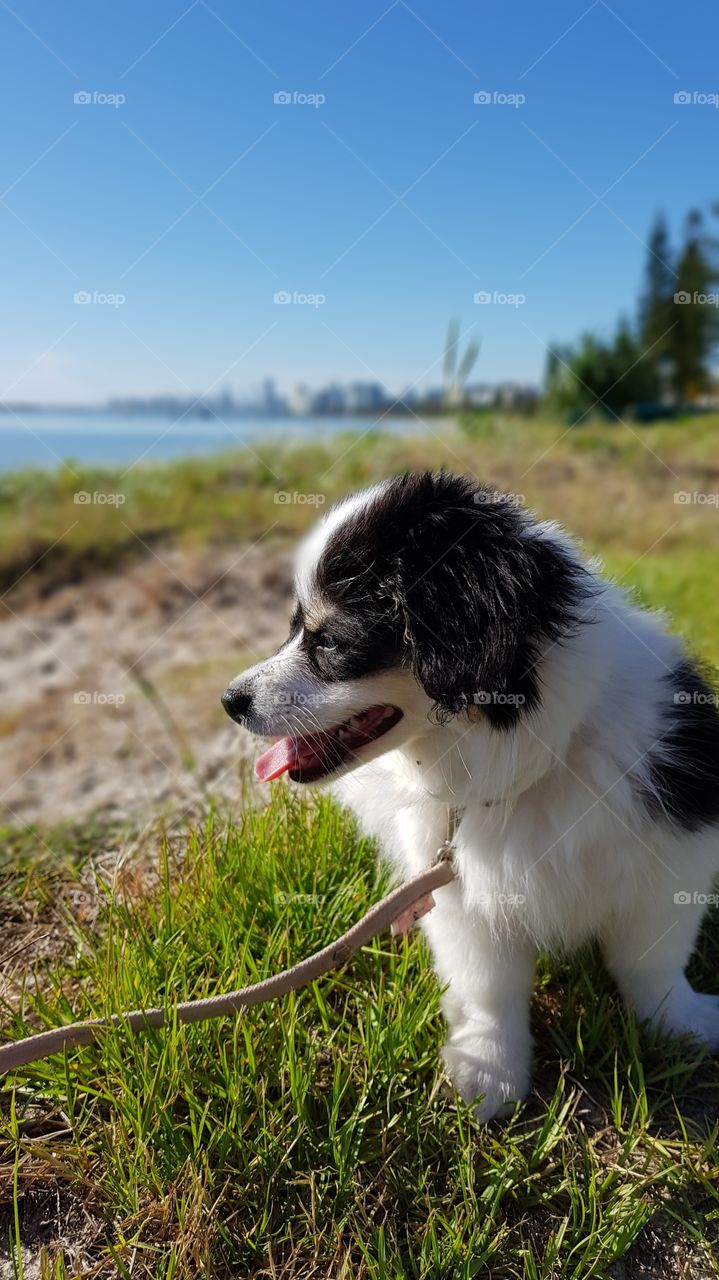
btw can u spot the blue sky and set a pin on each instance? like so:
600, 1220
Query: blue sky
199, 197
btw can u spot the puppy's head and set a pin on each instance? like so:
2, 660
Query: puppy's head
423, 598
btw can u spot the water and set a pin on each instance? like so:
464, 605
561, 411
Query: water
46, 439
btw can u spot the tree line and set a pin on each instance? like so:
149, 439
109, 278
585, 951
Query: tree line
659, 363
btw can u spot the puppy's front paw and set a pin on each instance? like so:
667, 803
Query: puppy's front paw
692, 1014
481, 1065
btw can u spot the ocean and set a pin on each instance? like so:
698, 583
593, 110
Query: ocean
46, 439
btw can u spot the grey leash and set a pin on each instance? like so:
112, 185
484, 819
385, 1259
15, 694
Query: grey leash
409, 899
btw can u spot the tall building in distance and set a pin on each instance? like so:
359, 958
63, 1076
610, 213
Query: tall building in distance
366, 397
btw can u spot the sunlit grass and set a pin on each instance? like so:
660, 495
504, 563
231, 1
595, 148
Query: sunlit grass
316, 1136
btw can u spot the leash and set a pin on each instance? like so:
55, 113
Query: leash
400, 908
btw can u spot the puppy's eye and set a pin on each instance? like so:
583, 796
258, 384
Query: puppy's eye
327, 644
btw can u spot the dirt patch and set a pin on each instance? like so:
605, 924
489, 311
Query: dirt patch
109, 688
53, 1223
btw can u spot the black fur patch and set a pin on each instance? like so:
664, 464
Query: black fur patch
684, 766
447, 577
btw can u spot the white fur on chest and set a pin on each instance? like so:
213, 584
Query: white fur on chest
552, 842
551, 864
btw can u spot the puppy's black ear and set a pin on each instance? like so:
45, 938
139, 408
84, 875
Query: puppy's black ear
478, 591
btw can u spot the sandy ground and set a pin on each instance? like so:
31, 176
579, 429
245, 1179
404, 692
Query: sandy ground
109, 689
106, 688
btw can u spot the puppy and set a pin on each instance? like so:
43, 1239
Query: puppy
454, 665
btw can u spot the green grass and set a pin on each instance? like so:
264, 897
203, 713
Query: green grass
317, 1137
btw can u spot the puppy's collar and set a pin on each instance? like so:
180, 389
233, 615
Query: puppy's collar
454, 817
445, 853
455, 813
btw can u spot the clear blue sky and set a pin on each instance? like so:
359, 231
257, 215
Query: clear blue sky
105, 199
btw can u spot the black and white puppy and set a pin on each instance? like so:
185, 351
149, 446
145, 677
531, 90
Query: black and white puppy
449, 654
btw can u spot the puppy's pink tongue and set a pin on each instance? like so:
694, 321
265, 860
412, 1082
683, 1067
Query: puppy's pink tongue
280, 757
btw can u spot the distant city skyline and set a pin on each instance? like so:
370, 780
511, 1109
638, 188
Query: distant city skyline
197, 195
335, 398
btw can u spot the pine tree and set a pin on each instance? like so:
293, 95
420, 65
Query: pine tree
697, 322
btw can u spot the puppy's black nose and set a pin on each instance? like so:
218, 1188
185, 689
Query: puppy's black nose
236, 702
